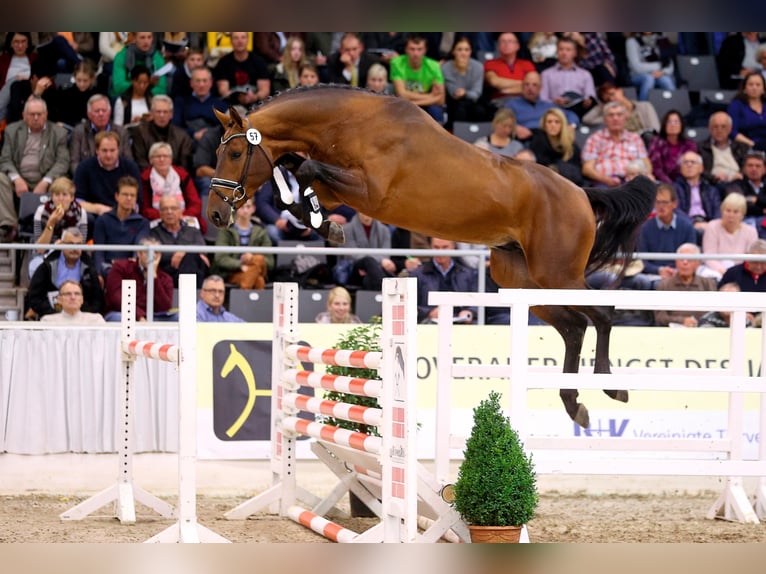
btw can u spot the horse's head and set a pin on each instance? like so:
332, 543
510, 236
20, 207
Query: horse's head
239, 163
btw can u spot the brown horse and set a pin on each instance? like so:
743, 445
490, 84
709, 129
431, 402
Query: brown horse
387, 158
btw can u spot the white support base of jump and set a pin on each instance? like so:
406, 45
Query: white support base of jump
733, 504
759, 499
124, 495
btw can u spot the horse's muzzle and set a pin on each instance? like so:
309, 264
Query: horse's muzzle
221, 216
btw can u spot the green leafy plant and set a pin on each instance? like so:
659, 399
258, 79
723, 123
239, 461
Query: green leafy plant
362, 338
496, 484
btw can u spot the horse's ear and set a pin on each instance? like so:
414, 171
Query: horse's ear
236, 118
222, 117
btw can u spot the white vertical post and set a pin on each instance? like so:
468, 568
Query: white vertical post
444, 362
286, 333
398, 370
759, 499
519, 364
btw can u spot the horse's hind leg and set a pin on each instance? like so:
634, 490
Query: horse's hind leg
601, 316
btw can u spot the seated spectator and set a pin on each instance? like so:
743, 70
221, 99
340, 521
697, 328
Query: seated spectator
542, 49
163, 178
138, 270
160, 129
16, 61
242, 76
737, 57
173, 230
684, 279
70, 105
59, 266
120, 225
365, 271
501, 140
338, 308
245, 270
554, 146
525, 154
70, 299
699, 199
723, 318
749, 275
728, 234
642, 117
210, 307
650, 60
109, 45
503, 75
60, 212
350, 65
443, 273
464, 82
308, 75
405, 239
596, 56
135, 103
529, 107
752, 186
666, 149
722, 157
608, 151
39, 85
377, 80
194, 112
97, 177
419, 79
747, 112
180, 81
287, 70
34, 153
565, 83
142, 52
664, 233
82, 144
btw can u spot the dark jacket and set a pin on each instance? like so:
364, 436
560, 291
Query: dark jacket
738, 150
42, 283
711, 197
226, 263
147, 133
458, 278
130, 269
335, 69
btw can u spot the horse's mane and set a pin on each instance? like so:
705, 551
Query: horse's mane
300, 90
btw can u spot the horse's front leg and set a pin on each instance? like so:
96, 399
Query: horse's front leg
602, 320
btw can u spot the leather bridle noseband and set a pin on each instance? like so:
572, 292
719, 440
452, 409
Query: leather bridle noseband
239, 195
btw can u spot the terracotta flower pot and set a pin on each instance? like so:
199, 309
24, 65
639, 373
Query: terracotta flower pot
495, 534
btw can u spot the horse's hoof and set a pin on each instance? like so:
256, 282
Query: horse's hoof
335, 233
582, 418
621, 395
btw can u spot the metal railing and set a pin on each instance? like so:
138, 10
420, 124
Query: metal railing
482, 254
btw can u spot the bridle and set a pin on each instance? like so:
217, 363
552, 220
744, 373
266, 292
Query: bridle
237, 188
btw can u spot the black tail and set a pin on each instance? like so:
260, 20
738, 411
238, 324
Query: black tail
619, 215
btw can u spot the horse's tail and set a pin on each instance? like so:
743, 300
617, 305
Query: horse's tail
619, 214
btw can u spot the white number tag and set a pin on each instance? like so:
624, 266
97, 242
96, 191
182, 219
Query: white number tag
253, 136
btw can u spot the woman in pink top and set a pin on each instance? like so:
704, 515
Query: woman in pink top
728, 234
666, 148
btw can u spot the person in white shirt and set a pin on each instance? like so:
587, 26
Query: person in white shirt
70, 300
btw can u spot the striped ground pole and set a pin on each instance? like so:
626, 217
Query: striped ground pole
162, 351
320, 525
335, 357
356, 413
339, 383
356, 440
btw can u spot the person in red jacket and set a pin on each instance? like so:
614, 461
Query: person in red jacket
138, 269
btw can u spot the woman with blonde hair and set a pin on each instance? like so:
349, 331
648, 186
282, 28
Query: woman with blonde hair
728, 234
554, 145
338, 308
502, 139
287, 72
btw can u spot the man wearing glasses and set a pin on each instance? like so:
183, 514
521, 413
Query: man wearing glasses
210, 307
70, 299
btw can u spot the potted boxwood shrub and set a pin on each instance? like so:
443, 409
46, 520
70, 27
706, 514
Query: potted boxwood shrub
496, 484
364, 337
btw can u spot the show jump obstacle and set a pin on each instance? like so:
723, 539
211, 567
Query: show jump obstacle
184, 356
636, 455
382, 471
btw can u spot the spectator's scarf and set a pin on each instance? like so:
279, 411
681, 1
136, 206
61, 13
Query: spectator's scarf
170, 185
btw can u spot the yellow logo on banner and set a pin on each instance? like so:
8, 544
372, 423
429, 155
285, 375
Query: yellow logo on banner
237, 360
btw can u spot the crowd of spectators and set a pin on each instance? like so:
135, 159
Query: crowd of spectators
118, 130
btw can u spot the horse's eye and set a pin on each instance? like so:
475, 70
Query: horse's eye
236, 154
